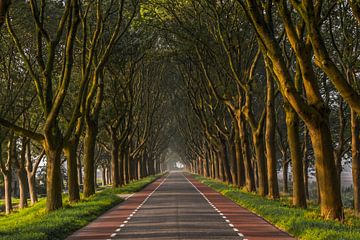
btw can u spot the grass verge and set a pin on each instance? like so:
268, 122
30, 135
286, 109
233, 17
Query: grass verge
301, 223
35, 223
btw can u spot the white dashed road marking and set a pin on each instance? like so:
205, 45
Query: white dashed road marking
217, 210
134, 212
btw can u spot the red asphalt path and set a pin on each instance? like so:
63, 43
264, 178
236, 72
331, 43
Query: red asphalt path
249, 224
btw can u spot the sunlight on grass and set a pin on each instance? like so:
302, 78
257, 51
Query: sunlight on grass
303, 224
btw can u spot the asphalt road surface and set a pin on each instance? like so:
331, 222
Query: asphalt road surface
179, 207
176, 210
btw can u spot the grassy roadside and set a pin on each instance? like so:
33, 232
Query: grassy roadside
35, 223
303, 224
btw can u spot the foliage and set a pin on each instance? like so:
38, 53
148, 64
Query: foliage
301, 223
36, 223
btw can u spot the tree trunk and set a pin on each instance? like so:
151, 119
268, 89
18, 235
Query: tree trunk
240, 168
306, 166
79, 169
220, 165
23, 188
125, 167
214, 157
32, 188
21, 174
53, 176
139, 168
261, 163
292, 125
115, 164
89, 157
103, 176
355, 147
31, 173
8, 190
249, 173
285, 167
232, 159
329, 183
70, 152
270, 140
207, 165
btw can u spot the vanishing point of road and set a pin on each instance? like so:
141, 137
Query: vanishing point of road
177, 206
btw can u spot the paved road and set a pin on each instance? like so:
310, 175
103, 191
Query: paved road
176, 210
179, 207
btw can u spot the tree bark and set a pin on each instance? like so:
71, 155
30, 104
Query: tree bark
23, 188
306, 166
32, 189
70, 152
103, 176
292, 126
270, 140
249, 172
285, 167
31, 173
261, 163
91, 128
329, 184
80, 171
8, 190
355, 148
21, 175
53, 175
6, 170
232, 159
115, 163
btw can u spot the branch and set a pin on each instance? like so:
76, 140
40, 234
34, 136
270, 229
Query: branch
22, 131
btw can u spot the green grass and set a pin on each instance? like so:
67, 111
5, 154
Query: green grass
15, 201
303, 224
35, 223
